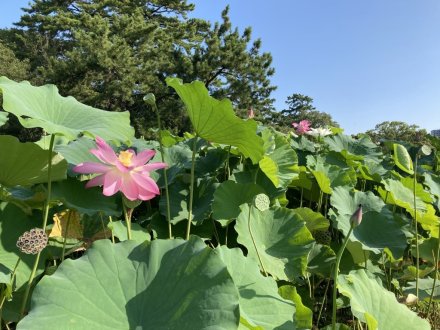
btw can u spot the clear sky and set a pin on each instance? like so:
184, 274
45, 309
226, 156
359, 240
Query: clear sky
364, 62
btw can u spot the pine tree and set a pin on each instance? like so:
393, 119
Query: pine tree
109, 54
300, 107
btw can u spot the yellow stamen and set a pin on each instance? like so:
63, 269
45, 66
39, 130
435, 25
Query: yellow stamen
125, 157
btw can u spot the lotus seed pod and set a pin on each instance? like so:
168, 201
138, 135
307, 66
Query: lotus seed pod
262, 202
32, 241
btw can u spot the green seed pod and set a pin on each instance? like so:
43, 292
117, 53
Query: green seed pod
262, 202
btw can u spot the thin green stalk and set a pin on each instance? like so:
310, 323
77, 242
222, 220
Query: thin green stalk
302, 194
227, 168
215, 232
127, 216
104, 229
65, 236
165, 176
45, 217
416, 230
323, 302
310, 286
113, 235
321, 194
385, 271
436, 261
253, 241
335, 275
191, 188
226, 234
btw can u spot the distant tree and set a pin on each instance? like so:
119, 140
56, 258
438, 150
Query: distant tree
398, 131
11, 66
109, 54
300, 107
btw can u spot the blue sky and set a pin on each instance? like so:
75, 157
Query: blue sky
364, 62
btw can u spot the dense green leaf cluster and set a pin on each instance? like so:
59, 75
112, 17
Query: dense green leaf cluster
244, 234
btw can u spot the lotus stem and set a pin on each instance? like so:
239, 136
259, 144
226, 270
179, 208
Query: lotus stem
253, 241
65, 235
127, 216
191, 188
335, 275
416, 229
45, 217
436, 261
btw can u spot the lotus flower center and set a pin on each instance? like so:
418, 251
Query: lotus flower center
125, 157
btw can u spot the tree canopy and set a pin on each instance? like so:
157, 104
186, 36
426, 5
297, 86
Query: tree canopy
300, 107
109, 54
398, 131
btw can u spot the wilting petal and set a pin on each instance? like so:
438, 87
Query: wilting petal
97, 181
142, 157
105, 153
145, 182
112, 183
90, 167
130, 189
151, 167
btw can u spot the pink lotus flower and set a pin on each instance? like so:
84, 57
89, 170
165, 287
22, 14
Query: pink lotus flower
302, 127
125, 172
251, 113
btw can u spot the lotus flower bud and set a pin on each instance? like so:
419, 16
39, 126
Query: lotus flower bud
356, 218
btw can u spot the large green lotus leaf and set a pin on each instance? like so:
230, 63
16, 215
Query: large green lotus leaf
303, 180
24, 164
376, 306
77, 151
425, 289
353, 149
85, 200
433, 183
321, 260
258, 177
429, 220
280, 160
211, 161
229, 196
44, 107
215, 120
427, 249
372, 170
395, 192
420, 191
303, 314
402, 158
138, 233
330, 176
260, 303
3, 118
282, 239
179, 196
314, 220
165, 284
27, 198
379, 228
302, 143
